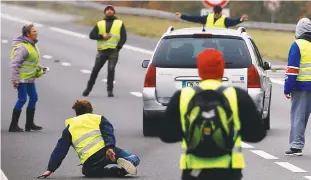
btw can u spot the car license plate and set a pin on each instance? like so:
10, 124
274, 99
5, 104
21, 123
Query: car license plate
190, 83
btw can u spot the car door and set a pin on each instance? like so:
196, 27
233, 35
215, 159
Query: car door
265, 77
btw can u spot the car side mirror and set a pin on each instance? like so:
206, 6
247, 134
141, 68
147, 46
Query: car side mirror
266, 65
145, 63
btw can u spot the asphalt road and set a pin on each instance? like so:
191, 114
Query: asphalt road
25, 155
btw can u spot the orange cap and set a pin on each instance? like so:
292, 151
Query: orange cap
211, 64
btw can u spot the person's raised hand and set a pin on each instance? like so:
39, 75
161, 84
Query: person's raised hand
244, 17
178, 14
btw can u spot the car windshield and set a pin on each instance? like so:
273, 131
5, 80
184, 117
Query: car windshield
181, 51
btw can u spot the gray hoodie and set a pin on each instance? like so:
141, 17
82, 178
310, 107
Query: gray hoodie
303, 28
20, 55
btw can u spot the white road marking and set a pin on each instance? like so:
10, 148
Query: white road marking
246, 146
290, 167
138, 94
105, 80
85, 71
6, 16
5, 41
141, 50
65, 64
68, 32
307, 177
3, 176
263, 154
47, 57
276, 81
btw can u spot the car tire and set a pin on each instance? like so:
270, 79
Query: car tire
266, 120
150, 126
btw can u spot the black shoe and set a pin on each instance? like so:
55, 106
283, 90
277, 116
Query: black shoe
34, 128
117, 172
16, 129
110, 94
293, 152
30, 125
14, 123
86, 92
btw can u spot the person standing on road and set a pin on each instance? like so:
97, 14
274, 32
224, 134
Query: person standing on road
216, 19
297, 86
25, 57
110, 34
211, 120
92, 137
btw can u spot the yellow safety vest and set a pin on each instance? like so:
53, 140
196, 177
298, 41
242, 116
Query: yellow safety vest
220, 22
86, 136
30, 67
115, 31
305, 60
189, 161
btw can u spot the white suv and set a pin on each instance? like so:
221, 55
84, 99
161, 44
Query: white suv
173, 66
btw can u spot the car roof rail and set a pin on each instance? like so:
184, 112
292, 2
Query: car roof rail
170, 29
241, 30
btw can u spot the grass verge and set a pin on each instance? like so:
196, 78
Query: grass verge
272, 44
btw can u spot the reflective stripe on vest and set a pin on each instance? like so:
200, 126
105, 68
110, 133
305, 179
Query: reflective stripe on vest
29, 68
115, 31
305, 60
189, 161
220, 22
86, 135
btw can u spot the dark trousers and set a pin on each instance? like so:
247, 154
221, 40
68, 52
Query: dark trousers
112, 56
212, 174
23, 90
100, 169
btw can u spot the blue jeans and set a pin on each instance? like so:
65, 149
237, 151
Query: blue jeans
299, 115
99, 168
23, 90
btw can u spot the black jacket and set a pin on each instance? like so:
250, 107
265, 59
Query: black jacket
109, 20
252, 129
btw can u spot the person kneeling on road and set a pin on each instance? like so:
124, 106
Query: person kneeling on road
93, 139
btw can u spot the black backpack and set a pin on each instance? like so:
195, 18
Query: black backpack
206, 135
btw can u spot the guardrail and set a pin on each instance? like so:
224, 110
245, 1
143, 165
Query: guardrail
168, 15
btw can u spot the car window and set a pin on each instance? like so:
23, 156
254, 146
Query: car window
260, 61
181, 51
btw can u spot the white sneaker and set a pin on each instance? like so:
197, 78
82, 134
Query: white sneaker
127, 165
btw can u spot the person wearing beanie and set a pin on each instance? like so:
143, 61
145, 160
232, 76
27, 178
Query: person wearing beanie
110, 34
211, 66
215, 19
92, 137
297, 86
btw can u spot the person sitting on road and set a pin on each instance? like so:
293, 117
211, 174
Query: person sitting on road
92, 137
216, 19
